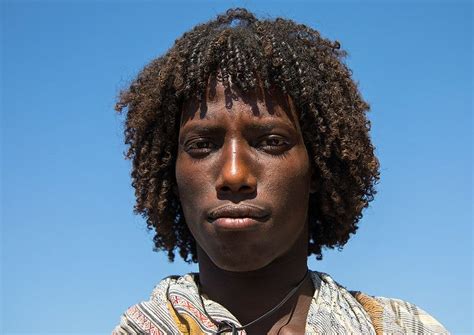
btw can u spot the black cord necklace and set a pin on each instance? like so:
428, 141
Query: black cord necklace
226, 326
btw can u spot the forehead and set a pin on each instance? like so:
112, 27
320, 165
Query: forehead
259, 104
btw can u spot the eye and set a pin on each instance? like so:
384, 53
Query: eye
200, 146
274, 144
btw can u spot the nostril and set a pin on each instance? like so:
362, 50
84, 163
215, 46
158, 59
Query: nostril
225, 189
245, 188
237, 189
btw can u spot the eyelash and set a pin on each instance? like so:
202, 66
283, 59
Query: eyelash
190, 149
282, 142
203, 146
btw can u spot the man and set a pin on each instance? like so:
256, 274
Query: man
251, 151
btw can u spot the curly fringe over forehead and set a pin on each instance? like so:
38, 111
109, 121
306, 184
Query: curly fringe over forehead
239, 48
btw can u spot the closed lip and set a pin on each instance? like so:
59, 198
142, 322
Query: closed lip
238, 212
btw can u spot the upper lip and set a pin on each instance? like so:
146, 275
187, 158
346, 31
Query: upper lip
238, 211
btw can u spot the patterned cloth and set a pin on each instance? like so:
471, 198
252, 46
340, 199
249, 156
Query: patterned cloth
176, 308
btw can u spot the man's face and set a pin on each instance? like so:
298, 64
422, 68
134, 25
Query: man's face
243, 177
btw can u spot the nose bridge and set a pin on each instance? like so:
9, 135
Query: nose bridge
236, 174
234, 157
234, 165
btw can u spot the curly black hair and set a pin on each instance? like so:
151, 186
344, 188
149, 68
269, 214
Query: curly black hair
251, 52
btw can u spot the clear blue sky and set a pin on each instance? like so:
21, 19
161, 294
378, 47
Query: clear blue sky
74, 257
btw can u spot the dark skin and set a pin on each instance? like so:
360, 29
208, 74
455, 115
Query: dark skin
244, 181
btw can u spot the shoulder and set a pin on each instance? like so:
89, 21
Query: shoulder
154, 316
395, 315
389, 315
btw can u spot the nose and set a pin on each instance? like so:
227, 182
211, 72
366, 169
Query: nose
237, 173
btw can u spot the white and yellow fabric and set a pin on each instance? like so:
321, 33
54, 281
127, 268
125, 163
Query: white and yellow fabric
176, 308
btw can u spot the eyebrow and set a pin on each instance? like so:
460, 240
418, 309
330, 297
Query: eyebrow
268, 126
201, 129
211, 129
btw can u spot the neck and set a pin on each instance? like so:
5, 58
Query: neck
248, 295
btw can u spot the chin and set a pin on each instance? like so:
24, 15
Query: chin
241, 262
241, 267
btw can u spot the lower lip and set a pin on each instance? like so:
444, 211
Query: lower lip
237, 223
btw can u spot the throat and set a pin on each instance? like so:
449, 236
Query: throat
277, 295
286, 317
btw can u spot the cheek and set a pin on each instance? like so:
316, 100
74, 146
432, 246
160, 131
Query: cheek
187, 179
194, 188
295, 178
291, 189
